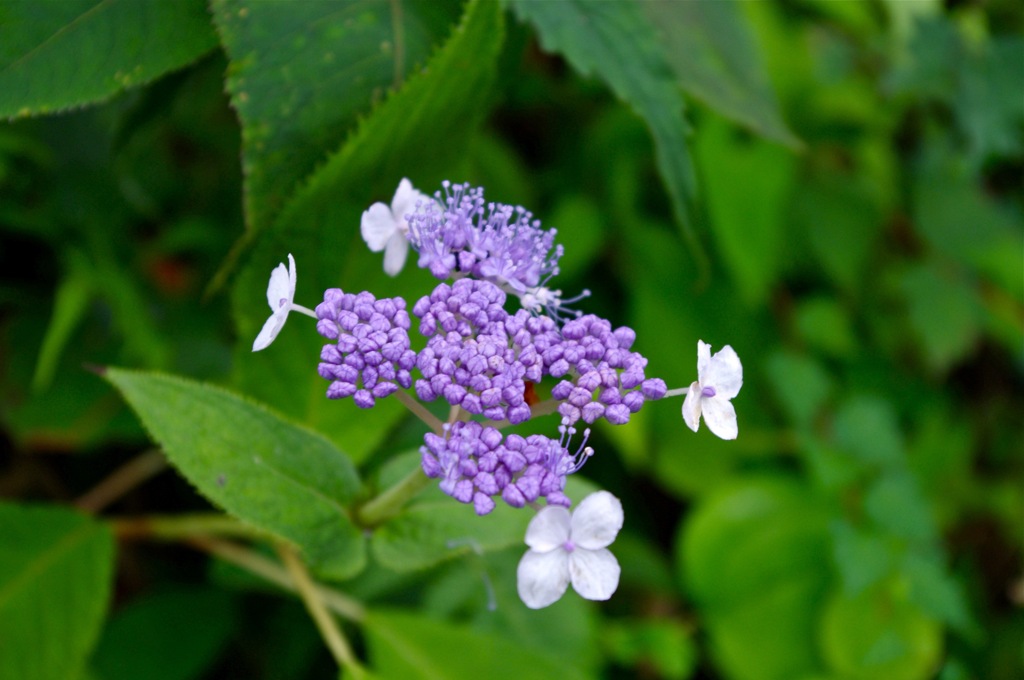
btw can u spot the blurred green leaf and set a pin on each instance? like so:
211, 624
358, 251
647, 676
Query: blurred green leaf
751, 555
750, 233
616, 42
55, 574
662, 644
406, 645
800, 383
866, 427
861, 558
936, 592
54, 56
713, 53
942, 312
256, 465
156, 637
824, 324
421, 131
877, 635
302, 73
69, 307
896, 504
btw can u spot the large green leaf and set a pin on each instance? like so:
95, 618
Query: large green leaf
256, 465
422, 132
302, 72
615, 41
55, 574
55, 55
712, 51
405, 646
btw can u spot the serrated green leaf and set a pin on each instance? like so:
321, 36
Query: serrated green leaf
616, 42
405, 645
157, 638
712, 51
422, 132
302, 72
942, 311
254, 464
57, 55
55, 574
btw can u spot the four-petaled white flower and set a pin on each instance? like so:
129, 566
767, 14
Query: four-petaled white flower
719, 379
574, 548
385, 228
280, 297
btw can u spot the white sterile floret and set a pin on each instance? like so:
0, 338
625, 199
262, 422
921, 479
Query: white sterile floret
385, 228
280, 297
719, 379
574, 549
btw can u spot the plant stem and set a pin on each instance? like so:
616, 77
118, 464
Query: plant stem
420, 411
122, 480
325, 623
390, 501
176, 527
270, 571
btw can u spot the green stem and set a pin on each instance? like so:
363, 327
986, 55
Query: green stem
420, 411
325, 623
390, 502
176, 527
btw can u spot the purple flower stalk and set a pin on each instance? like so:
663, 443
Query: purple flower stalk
371, 356
475, 465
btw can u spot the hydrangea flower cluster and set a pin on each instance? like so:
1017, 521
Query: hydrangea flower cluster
485, 362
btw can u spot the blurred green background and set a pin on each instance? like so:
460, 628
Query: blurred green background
854, 228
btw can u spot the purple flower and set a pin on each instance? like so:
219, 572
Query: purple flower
462, 235
371, 357
476, 465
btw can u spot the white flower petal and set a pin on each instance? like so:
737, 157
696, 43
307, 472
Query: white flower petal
282, 285
691, 406
724, 373
377, 226
720, 417
596, 521
548, 529
542, 578
404, 203
270, 329
595, 573
395, 253
703, 359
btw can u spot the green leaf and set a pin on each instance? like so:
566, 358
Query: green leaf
751, 232
615, 41
866, 427
786, 369
254, 464
752, 557
422, 131
942, 313
712, 51
937, 593
57, 55
664, 644
55, 574
862, 558
431, 531
302, 72
896, 504
409, 646
824, 324
877, 635
69, 307
157, 638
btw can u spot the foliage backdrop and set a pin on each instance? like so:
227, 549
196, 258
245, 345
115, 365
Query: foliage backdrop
834, 188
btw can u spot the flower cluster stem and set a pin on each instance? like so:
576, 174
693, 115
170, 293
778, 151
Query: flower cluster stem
391, 500
420, 411
325, 623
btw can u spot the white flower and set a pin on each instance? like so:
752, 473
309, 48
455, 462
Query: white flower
280, 296
719, 379
386, 229
564, 549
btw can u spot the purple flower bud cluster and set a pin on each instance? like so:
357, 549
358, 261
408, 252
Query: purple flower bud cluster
603, 378
476, 464
371, 356
491, 241
479, 357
